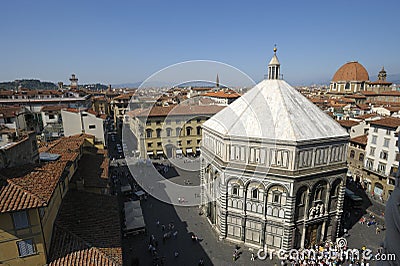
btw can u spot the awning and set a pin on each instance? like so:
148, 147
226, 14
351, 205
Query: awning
160, 152
178, 151
150, 153
189, 150
139, 193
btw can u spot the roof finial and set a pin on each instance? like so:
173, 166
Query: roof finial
275, 49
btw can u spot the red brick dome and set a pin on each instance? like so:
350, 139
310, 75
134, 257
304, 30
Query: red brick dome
351, 71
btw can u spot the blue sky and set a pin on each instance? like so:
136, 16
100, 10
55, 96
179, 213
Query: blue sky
126, 41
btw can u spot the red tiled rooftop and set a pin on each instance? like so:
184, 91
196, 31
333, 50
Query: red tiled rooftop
360, 140
347, 123
391, 122
222, 94
87, 231
29, 186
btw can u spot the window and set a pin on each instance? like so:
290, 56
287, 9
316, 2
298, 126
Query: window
388, 132
386, 143
384, 155
188, 142
92, 126
375, 130
158, 122
276, 198
347, 87
352, 153
198, 141
374, 139
235, 190
150, 144
198, 130
158, 144
20, 220
361, 157
369, 164
26, 247
372, 151
148, 123
188, 131
180, 143
254, 193
149, 133
178, 121
318, 193
381, 168
169, 132
158, 132
51, 116
198, 120
178, 131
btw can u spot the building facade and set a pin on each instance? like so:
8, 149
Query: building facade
170, 131
273, 168
382, 159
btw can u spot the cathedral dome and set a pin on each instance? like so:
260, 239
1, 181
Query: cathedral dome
351, 71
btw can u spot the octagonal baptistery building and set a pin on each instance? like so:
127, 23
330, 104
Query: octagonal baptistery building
273, 168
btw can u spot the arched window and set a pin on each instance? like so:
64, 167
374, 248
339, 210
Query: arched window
254, 193
149, 133
318, 193
361, 157
188, 131
301, 200
352, 153
198, 130
347, 87
235, 190
158, 131
178, 131
169, 132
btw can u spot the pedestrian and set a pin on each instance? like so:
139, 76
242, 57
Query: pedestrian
163, 227
252, 257
378, 230
176, 254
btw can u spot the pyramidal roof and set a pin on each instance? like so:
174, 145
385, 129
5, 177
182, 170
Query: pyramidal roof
274, 110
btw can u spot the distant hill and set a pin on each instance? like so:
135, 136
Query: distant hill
32, 84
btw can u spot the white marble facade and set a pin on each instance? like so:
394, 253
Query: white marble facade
273, 169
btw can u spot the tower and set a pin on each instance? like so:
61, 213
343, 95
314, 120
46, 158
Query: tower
217, 82
74, 82
274, 67
382, 75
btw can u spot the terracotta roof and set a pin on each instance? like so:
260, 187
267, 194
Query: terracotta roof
366, 116
10, 111
87, 231
52, 108
97, 175
360, 140
222, 94
381, 82
392, 108
125, 96
178, 110
347, 123
202, 89
389, 93
351, 71
368, 93
356, 96
363, 106
29, 186
391, 122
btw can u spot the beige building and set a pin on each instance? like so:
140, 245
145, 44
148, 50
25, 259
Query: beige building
356, 157
170, 131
